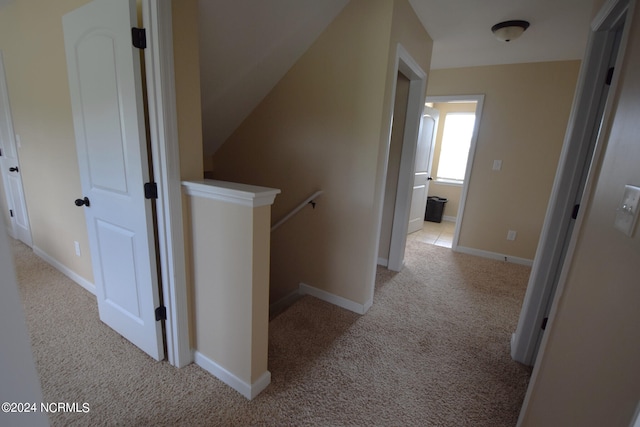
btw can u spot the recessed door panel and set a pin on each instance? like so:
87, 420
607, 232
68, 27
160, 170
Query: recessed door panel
101, 112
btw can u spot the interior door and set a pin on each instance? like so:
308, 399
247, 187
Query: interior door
10, 168
424, 159
106, 96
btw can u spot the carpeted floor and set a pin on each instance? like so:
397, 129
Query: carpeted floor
432, 351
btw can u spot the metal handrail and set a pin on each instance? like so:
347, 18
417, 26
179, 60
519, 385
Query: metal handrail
308, 200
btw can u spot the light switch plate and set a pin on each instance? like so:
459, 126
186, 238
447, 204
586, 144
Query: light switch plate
627, 211
497, 165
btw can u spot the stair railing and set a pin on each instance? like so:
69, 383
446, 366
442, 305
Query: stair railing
308, 201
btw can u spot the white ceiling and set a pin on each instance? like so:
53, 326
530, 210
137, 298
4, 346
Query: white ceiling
461, 30
246, 46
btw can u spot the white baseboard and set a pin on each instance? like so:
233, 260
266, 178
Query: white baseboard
449, 218
65, 270
335, 299
383, 262
495, 255
247, 390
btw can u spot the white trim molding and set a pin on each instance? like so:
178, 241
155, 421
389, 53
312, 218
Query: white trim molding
65, 270
583, 147
163, 130
247, 390
347, 304
406, 65
231, 192
495, 255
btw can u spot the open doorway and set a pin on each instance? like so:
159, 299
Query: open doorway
14, 201
449, 165
408, 102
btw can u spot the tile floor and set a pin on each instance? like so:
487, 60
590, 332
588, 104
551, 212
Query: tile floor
439, 234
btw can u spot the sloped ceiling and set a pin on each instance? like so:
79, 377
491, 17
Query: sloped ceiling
246, 46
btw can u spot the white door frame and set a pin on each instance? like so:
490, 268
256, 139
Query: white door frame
406, 65
583, 122
14, 230
163, 123
479, 99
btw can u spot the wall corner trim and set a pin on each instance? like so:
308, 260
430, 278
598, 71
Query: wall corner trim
247, 390
335, 299
65, 270
231, 192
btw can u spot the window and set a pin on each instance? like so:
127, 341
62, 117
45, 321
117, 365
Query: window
456, 141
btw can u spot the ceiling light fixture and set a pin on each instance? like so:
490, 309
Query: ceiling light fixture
509, 30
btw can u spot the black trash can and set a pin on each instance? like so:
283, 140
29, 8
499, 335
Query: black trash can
435, 208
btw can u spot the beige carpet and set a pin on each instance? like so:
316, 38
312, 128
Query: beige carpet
432, 351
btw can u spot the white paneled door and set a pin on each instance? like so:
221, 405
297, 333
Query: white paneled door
10, 168
424, 159
106, 96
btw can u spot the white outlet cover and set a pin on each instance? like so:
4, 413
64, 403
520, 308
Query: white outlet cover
497, 165
627, 211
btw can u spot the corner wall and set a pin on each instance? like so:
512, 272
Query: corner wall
320, 129
523, 123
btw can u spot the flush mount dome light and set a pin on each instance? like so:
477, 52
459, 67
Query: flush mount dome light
509, 30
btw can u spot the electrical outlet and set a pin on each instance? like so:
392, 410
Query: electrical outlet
497, 165
77, 246
511, 235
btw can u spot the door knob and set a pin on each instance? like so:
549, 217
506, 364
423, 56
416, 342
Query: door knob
429, 179
85, 202
13, 169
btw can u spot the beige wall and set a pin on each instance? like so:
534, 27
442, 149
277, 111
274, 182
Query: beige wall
187, 77
523, 124
230, 292
320, 128
32, 43
33, 46
588, 374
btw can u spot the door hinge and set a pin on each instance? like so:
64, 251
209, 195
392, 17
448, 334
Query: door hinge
161, 313
139, 37
576, 209
544, 323
11, 212
150, 190
610, 75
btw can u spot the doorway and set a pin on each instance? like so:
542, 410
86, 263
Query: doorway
579, 152
451, 168
10, 174
408, 95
